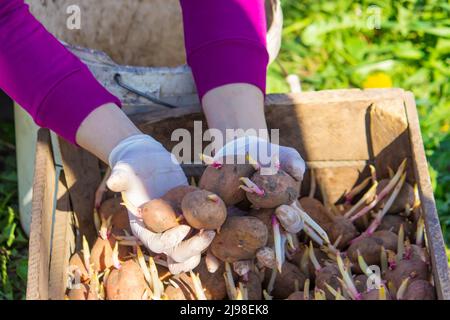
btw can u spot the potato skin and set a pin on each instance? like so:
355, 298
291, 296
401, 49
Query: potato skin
185, 288
102, 250
311, 271
265, 215
297, 295
416, 269
101, 254
328, 274
213, 283
77, 266
404, 198
392, 222
361, 282
421, 253
279, 189
225, 181
285, 282
389, 239
114, 207
173, 293
239, 239
128, 283
254, 286
420, 290
80, 293
316, 210
158, 215
233, 211
341, 226
370, 248
374, 295
201, 212
175, 196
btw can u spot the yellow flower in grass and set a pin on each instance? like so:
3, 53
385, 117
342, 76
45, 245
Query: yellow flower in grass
378, 80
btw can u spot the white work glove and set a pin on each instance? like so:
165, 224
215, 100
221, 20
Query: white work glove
267, 154
142, 169
271, 157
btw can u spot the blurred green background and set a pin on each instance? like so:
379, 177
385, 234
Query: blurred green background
357, 44
328, 45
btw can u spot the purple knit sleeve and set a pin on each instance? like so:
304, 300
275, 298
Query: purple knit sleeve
225, 42
53, 85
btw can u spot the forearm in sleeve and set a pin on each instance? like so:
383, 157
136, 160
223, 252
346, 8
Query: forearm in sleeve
41, 75
225, 42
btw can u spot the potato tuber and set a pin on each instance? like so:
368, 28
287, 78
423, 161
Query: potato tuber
174, 293
265, 215
328, 275
78, 268
176, 195
223, 180
420, 290
405, 198
204, 210
271, 191
370, 248
374, 294
392, 222
415, 269
302, 260
316, 210
113, 207
285, 281
102, 254
254, 286
158, 215
239, 239
128, 283
361, 282
341, 230
213, 283
80, 292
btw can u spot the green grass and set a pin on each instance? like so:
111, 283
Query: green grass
331, 45
13, 244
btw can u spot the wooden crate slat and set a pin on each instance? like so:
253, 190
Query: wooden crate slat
82, 174
63, 243
40, 234
433, 228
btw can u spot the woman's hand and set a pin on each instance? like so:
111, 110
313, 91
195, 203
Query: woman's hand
142, 169
266, 154
240, 106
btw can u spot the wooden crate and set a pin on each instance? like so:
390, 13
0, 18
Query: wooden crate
339, 133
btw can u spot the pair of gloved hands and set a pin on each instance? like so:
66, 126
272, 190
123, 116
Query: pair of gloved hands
142, 169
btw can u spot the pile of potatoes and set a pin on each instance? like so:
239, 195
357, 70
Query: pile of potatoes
271, 243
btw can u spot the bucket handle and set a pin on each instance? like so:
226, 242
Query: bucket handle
118, 79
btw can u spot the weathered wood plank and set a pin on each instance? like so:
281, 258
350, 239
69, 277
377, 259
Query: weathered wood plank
433, 228
63, 243
82, 174
40, 234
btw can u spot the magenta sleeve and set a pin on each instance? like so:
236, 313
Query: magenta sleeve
41, 75
225, 42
